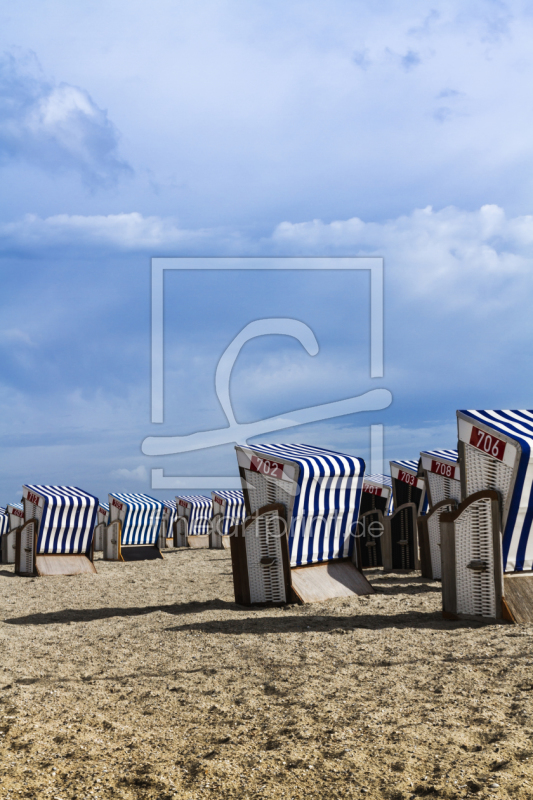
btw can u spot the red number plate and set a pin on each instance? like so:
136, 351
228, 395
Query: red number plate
218, 500
33, 498
102, 511
17, 512
266, 467
447, 470
117, 504
367, 487
488, 443
183, 503
406, 477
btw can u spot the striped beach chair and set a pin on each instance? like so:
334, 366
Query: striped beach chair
410, 501
441, 472
298, 540
376, 501
228, 511
166, 538
134, 526
15, 514
487, 543
57, 535
193, 521
101, 527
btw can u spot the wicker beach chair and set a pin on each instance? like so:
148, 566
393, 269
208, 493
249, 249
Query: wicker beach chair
441, 473
298, 540
193, 522
487, 543
57, 535
133, 530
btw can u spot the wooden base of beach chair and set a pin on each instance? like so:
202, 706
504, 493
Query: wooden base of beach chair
518, 598
140, 552
219, 542
198, 541
63, 564
317, 582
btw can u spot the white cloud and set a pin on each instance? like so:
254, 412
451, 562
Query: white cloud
56, 127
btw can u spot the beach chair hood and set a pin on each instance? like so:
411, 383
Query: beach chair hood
66, 518
320, 490
140, 515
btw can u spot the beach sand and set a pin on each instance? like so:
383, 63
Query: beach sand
147, 681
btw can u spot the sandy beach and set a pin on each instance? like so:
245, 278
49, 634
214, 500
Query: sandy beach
147, 681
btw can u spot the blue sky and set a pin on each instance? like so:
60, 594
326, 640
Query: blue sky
130, 131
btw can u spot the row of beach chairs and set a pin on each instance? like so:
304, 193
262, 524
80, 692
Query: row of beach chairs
309, 522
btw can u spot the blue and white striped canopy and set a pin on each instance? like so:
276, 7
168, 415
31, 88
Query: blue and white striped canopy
409, 464
4, 521
517, 454
234, 510
325, 510
67, 521
200, 514
445, 455
142, 520
103, 513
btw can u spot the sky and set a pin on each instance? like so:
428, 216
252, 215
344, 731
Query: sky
130, 131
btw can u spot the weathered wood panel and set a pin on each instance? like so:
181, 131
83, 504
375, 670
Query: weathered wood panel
324, 581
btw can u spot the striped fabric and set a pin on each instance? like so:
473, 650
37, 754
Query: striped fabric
141, 517
323, 508
233, 508
4, 521
445, 455
67, 518
409, 464
199, 515
515, 430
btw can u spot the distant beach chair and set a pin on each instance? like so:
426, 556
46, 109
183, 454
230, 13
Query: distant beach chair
166, 537
134, 525
15, 513
57, 535
4, 524
487, 542
228, 511
441, 472
101, 527
193, 521
376, 502
298, 541
410, 501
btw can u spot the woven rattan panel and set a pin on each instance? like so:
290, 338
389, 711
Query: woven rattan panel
474, 542
263, 491
442, 488
263, 541
484, 472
